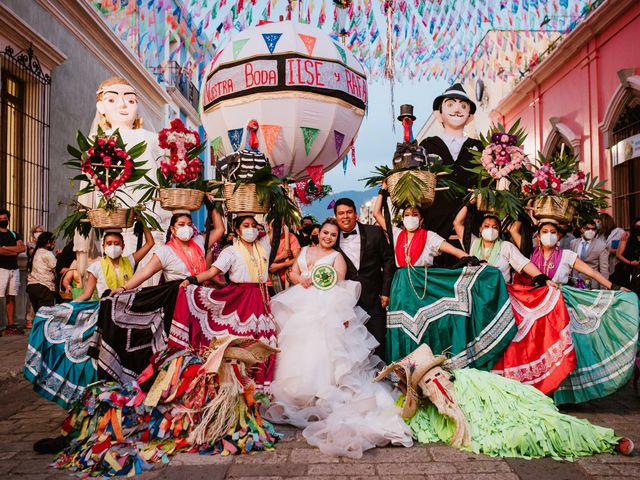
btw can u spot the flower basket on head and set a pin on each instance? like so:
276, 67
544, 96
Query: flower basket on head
115, 218
559, 190
554, 208
500, 168
180, 198
106, 166
424, 181
243, 199
179, 184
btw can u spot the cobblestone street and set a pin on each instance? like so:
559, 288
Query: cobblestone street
25, 417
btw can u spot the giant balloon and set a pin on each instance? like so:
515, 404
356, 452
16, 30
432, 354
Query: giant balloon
307, 92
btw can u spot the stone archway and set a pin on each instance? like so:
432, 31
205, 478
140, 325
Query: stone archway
561, 134
627, 93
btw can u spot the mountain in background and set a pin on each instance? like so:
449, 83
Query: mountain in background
319, 209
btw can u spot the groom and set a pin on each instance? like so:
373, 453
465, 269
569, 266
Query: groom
370, 262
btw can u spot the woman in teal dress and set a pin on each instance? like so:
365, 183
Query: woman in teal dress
464, 312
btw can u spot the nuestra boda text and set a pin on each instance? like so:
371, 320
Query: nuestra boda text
286, 73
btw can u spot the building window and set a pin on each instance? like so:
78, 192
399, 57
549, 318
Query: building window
561, 147
24, 138
626, 175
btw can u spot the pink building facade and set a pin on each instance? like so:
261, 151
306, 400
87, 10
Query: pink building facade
585, 98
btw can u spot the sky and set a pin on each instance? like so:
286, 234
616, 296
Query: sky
376, 140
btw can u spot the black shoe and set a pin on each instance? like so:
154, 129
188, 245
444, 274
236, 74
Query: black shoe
51, 445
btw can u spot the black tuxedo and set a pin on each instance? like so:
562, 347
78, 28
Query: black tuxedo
377, 265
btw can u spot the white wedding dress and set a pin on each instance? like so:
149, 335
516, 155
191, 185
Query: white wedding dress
324, 371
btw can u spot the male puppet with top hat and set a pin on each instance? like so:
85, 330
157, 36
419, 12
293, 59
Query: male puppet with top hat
454, 109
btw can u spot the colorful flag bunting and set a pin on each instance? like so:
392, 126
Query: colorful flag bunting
309, 135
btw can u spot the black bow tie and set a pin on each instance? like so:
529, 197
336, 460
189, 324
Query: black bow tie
346, 234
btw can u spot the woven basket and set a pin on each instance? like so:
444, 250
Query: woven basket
428, 191
243, 200
483, 205
181, 198
553, 208
118, 218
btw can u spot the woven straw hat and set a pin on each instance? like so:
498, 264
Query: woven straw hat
411, 369
230, 347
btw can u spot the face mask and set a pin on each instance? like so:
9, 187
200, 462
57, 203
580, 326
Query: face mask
184, 233
113, 251
249, 234
490, 234
36, 235
549, 239
411, 223
4, 223
314, 239
598, 225
589, 234
307, 229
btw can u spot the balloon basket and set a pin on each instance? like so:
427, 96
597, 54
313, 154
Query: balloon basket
428, 190
553, 208
243, 199
116, 218
180, 199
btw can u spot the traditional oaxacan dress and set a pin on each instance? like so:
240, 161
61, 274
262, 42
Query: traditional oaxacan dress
465, 313
541, 354
603, 326
509, 419
58, 362
241, 308
134, 325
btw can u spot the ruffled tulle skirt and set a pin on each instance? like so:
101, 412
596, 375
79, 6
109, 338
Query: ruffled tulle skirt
509, 419
324, 373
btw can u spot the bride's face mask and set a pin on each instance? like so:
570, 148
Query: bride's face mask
328, 235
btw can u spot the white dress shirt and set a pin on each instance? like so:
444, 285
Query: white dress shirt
454, 144
351, 246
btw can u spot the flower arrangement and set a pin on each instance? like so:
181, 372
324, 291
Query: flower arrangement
105, 165
182, 165
307, 192
179, 179
559, 176
503, 155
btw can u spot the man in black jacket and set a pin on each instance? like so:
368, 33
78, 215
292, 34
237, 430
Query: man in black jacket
454, 109
370, 262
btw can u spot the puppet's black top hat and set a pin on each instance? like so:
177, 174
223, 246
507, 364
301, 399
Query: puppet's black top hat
406, 111
454, 91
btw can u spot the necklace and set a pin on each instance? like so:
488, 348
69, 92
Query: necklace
192, 261
410, 267
547, 264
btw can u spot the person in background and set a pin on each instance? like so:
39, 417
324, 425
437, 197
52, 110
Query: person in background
231, 237
628, 254
565, 233
315, 235
304, 234
41, 280
592, 250
11, 245
611, 234
31, 247
288, 250
33, 238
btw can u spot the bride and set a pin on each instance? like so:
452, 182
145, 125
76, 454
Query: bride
324, 372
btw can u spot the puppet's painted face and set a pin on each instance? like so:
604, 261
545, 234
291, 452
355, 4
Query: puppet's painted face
455, 113
119, 104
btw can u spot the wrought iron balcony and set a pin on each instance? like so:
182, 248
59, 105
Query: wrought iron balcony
175, 76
